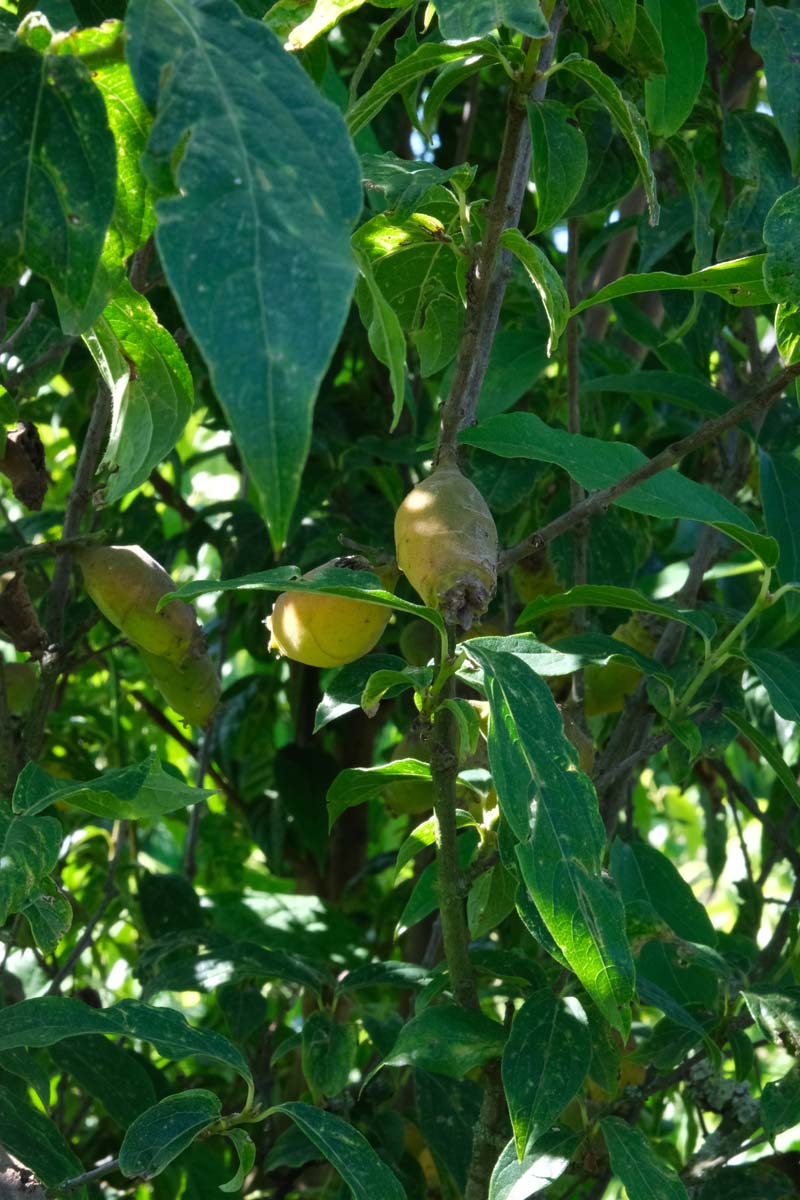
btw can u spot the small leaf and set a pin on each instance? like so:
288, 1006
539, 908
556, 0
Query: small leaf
29, 848
344, 688
545, 279
559, 160
386, 339
780, 1103
164, 1131
246, 1149
282, 19
425, 835
448, 1040
778, 671
739, 282
634, 1161
356, 785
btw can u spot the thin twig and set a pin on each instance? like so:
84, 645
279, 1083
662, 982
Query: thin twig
99, 1172
597, 502
24, 324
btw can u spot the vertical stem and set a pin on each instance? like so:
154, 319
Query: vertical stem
580, 545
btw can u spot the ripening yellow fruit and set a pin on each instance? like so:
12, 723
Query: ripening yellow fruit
329, 631
605, 687
191, 689
20, 681
447, 545
126, 585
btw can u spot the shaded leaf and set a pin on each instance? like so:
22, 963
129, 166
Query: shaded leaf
634, 1161
164, 1131
29, 848
776, 37
121, 793
670, 98
447, 1040
33, 1139
558, 161
328, 1052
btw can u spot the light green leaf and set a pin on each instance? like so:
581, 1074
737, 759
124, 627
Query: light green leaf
347, 1150
164, 1131
491, 898
545, 279
59, 164
32, 1138
545, 1063
739, 282
462, 19
328, 1053
50, 917
425, 835
670, 98
608, 21
558, 162
515, 1180
626, 117
150, 385
448, 1040
283, 20
356, 785
386, 338
268, 155
776, 37
782, 239
29, 848
124, 793
344, 689
636, 1164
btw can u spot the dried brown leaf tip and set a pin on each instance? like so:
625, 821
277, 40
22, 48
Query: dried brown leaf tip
24, 464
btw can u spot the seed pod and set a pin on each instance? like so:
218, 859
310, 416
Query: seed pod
329, 631
447, 545
126, 585
191, 689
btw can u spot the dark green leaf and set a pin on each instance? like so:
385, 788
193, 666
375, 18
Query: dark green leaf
776, 37
59, 175
344, 689
768, 750
246, 1150
448, 1112
782, 239
32, 1138
384, 974
778, 671
776, 1011
670, 98
328, 1053
558, 162
232, 964
650, 883
545, 1063
266, 308
164, 1131
356, 785
462, 19
683, 390
425, 835
780, 495
49, 916
346, 1150
425, 897
780, 1103
404, 184
608, 596
29, 848
490, 900
125, 793
112, 1075
385, 337
634, 1161
448, 1040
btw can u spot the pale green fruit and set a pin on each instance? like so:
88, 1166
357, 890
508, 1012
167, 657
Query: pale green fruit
191, 689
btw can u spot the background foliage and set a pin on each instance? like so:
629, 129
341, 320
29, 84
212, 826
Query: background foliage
251, 256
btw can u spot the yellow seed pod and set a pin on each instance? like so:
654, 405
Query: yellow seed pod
126, 584
20, 680
192, 689
605, 687
329, 631
447, 545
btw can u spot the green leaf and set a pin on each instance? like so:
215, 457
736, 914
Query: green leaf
559, 160
425, 897
650, 883
347, 1150
768, 751
739, 282
776, 1011
735, 9
384, 974
328, 1053
344, 689
686, 391
516, 362
356, 785
608, 596
29, 848
612, 170
48, 1019
59, 164
425, 835
670, 98
491, 898
780, 1103
386, 339
246, 1150
150, 385
778, 671
232, 964
513, 1179
49, 916
545, 1063
552, 810
545, 279
253, 145
462, 19
448, 1111
408, 70
110, 1074
779, 476
776, 37
782, 239
597, 464
32, 1138
404, 184
282, 19
164, 1131
448, 1040
626, 117
120, 794
636, 1164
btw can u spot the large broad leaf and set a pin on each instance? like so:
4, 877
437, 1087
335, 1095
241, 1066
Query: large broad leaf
59, 175
32, 1138
545, 1063
684, 390
782, 239
779, 671
29, 849
347, 1150
651, 884
552, 809
776, 37
608, 596
254, 147
48, 1019
779, 476
558, 161
150, 385
513, 1179
164, 1131
232, 964
625, 116
597, 464
462, 19
114, 1076
635, 1163
448, 1040
124, 793
448, 1111
670, 98
740, 282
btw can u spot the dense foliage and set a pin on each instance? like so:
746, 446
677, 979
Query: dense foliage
494, 893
